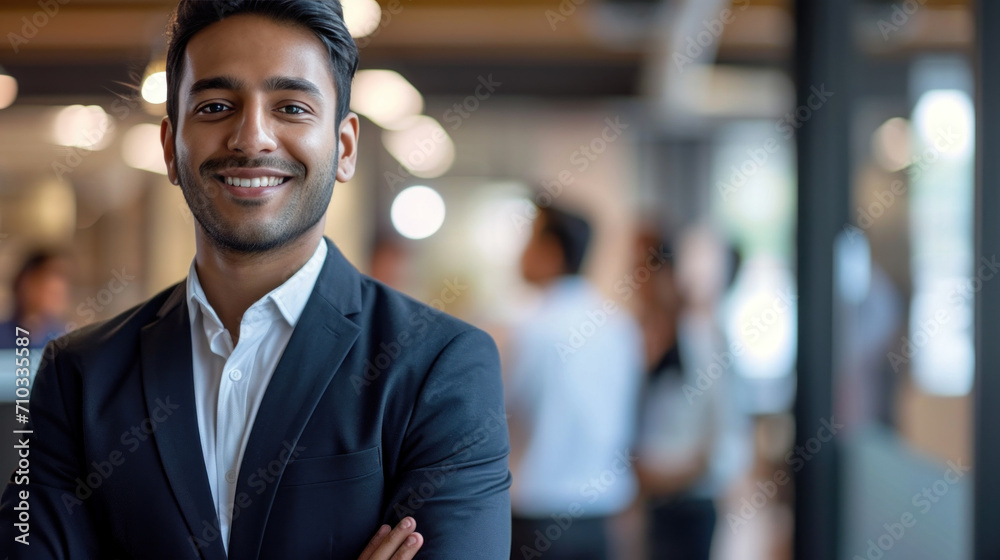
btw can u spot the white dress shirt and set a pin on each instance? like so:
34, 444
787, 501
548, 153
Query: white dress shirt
572, 389
676, 426
229, 383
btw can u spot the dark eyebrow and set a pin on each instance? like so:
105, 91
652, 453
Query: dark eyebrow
217, 82
276, 83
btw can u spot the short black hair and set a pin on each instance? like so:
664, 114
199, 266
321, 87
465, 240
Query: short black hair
325, 18
571, 231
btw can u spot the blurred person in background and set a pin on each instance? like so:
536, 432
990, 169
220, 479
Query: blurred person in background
573, 370
692, 439
390, 261
41, 298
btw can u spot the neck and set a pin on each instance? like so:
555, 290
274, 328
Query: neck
544, 282
660, 334
234, 281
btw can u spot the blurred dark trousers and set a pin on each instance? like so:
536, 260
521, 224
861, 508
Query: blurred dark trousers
681, 529
555, 539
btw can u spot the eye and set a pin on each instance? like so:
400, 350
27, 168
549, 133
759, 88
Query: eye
292, 110
211, 108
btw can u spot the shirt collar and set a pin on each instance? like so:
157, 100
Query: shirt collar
289, 298
568, 285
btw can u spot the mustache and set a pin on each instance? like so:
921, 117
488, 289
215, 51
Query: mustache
213, 166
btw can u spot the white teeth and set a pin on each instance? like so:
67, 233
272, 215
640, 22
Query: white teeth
256, 182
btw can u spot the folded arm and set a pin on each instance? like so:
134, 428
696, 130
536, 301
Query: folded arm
58, 525
453, 470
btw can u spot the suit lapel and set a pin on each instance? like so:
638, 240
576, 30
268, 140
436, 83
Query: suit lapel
322, 338
167, 372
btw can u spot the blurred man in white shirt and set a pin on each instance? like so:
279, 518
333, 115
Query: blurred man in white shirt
573, 374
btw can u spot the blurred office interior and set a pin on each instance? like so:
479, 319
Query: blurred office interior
812, 165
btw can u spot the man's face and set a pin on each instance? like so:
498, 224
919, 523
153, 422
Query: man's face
257, 147
542, 259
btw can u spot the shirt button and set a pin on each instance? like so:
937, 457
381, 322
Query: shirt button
231, 476
235, 374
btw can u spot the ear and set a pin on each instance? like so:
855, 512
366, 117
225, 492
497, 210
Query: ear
169, 150
348, 139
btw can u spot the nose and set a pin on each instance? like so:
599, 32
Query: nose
253, 133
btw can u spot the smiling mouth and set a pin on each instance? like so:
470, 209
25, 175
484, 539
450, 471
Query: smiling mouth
254, 183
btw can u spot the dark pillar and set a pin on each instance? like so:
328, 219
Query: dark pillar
986, 465
823, 61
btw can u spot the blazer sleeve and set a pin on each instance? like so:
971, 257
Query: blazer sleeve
454, 478
60, 526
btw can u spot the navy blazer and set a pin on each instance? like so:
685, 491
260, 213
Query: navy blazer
380, 407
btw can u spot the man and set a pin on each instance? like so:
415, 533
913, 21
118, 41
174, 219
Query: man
573, 375
277, 404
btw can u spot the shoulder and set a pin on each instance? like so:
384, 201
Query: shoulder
93, 342
424, 360
394, 316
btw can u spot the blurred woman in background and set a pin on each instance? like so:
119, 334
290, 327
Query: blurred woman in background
691, 436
